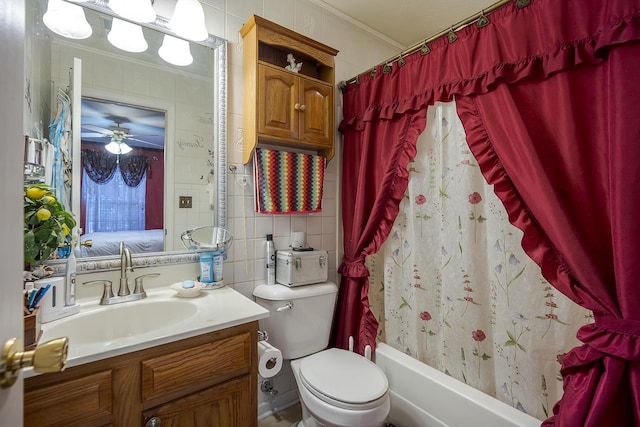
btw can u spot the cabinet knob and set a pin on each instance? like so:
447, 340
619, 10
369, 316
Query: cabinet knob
299, 107
153, 422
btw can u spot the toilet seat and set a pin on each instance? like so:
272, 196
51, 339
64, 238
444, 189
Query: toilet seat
344, 379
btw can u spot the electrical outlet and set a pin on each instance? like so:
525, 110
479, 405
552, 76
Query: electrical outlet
184, 202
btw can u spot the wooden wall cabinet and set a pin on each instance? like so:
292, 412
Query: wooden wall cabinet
283, 108
204, 381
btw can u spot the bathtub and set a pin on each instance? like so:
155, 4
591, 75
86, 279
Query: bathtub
423, 396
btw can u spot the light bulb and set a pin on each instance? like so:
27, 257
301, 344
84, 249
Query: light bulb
175, 51
127, 36
117, 147
188, 20
67, 20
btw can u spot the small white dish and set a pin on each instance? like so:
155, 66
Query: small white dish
188, 292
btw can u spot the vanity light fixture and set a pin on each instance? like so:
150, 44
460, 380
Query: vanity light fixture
175, 51
134, 10
67, 20
115, 147
127, 36
188, 20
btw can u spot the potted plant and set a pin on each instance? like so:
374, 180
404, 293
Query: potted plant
47, 224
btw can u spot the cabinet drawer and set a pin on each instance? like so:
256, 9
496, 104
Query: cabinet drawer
83, 401
185, 369
227, 404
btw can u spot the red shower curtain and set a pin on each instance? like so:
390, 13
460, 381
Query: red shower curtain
548, 97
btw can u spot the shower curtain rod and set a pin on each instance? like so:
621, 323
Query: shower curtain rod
448, 31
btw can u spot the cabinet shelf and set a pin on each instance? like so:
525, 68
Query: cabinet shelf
283, 108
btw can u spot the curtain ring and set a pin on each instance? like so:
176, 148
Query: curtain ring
386, 69
425, 49
522, 3
372, 74
451, 35
401, 61
483, 21
357, 82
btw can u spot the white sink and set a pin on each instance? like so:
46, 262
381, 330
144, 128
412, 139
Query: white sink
110, 323
101, 331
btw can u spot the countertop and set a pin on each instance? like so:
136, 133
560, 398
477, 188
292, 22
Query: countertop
216, 309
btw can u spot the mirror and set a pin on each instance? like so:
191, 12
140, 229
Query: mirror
114, 90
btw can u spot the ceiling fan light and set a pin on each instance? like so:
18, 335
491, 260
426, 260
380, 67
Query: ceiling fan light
67, 20
117, 147
188, 20
127, 36
135, 10
175, 51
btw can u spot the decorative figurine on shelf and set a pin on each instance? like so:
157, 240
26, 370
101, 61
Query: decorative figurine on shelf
292, 64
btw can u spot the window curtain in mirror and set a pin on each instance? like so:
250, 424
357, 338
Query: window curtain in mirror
113, 206
100, 166
547, 94
453, 288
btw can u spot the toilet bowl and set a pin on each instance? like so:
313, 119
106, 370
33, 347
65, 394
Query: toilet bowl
337, 388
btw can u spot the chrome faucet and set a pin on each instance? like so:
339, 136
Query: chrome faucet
125, 264
124, 293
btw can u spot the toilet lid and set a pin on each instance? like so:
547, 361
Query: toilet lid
343, 376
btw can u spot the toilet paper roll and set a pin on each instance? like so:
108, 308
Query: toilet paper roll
269, 360
298, 239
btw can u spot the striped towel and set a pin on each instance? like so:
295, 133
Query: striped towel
287, 182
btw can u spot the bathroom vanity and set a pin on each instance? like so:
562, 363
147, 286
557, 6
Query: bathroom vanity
202, 373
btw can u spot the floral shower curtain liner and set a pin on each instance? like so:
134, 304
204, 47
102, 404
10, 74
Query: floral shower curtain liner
454, 288
547, 94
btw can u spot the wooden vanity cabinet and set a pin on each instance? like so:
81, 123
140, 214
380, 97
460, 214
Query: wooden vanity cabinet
281, 107
207, 380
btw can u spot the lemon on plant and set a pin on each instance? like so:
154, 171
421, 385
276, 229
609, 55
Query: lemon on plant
65, 229
48, 200
43, 214
35, 193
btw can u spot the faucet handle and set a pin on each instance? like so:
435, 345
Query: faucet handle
107, 292
139, 289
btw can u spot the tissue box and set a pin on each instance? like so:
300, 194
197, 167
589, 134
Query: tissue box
32, 329
297, 268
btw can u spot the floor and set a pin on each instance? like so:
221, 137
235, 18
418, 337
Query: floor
284, 418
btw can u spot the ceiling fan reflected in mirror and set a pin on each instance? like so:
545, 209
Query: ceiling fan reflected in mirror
122, 127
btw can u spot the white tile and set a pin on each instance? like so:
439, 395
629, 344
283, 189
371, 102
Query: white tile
314, 224
107, 74
214, 20
280, 11
235, 87
136, 79
299, 223
243, 272
234, 40
282, 225
264, 226
243, 9
308, 19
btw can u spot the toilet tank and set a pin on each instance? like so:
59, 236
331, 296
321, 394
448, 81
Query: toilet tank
300, 318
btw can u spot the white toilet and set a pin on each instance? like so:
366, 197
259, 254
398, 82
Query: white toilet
337, 388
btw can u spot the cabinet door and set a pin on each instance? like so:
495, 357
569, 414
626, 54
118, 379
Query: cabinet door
316, 116
277, 98
228, 405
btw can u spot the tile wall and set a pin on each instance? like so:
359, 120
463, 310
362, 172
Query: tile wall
359, 49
